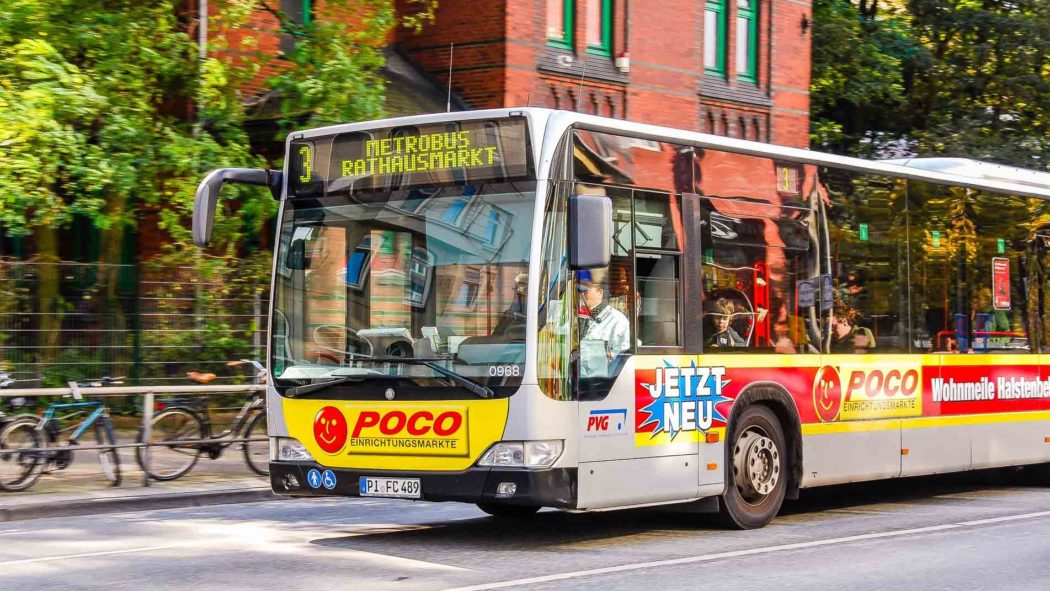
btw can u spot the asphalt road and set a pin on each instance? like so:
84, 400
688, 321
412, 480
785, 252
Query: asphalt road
967, 533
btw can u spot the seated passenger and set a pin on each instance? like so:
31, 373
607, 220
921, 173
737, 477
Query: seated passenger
846, 336
512, 320
724, 335
604, 331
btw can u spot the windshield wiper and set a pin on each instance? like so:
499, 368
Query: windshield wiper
479, 390
310, 388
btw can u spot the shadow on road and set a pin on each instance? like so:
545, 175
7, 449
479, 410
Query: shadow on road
551, 529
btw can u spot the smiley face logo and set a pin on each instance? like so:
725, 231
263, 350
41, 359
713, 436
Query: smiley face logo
827, 394
330, 429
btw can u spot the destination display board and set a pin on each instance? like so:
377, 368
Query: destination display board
410, 156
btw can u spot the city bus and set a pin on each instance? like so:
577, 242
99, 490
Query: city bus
526, 308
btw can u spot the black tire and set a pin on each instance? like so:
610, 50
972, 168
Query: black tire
109, 458
257, 453
168, 462
756, 470
18, 470
505, 511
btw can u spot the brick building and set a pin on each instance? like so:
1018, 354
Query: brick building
738, 68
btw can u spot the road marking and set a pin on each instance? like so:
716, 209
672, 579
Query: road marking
738, 553
84, 555
1002, 519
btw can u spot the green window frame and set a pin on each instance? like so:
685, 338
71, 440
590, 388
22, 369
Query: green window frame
715, 37
566, 39
606, 15
747, 23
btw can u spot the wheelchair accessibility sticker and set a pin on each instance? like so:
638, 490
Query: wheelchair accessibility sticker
313, 478
328, 479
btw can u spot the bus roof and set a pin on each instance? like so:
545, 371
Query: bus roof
978, 169
967, 173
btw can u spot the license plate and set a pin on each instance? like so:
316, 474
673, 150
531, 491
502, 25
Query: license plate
403, 488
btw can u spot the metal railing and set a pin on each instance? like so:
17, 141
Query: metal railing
69, 320
148, 394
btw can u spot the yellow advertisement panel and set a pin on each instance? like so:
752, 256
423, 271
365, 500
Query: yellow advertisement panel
424, 435
382, 430
880, 390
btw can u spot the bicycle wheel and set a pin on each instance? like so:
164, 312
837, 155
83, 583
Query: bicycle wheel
257, 453
168, 462
109, 458
18, 469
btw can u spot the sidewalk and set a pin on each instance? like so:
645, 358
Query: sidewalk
81, 489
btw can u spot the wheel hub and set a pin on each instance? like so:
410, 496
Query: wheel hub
756, 465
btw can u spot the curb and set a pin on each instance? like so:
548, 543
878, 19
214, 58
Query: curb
173, 500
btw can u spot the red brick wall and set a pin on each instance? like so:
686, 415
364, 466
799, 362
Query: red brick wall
791, 72
479, 59
498, 46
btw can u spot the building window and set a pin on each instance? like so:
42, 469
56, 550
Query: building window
299, 14
746, 39
599, 27
559, 23
715, 37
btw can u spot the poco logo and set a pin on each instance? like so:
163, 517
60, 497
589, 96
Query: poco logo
867, 392
417, 424
330, 430
409, 432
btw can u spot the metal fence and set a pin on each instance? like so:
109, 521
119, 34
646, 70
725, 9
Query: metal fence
74, 321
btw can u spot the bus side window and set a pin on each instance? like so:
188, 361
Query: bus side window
750, 289
866, 221
972, 255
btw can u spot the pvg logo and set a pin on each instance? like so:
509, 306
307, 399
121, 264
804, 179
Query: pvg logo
607, 421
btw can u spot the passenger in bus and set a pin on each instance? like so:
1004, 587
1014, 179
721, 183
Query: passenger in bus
512, 321
986, 321
604, 331
723, 334
846, 335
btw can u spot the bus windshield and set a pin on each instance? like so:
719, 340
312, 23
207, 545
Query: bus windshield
421, 291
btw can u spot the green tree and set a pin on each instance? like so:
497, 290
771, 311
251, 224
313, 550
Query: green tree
967, 78
857, 88
93, 99
106, 112
985, 90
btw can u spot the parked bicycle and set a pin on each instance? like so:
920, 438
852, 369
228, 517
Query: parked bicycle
8, 381
31, 446
182, 431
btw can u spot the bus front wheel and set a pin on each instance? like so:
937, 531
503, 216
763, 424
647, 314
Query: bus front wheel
756, 478
508, 511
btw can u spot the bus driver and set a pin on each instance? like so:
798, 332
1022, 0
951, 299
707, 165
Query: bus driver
604, 331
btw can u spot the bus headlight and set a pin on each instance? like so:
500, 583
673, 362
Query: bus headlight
290, 450
523, 454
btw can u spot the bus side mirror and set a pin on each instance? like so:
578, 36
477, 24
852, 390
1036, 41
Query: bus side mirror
207, 198
590, 231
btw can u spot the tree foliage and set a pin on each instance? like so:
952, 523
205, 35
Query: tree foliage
105, 108
108, 113
93, 104
933, 77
